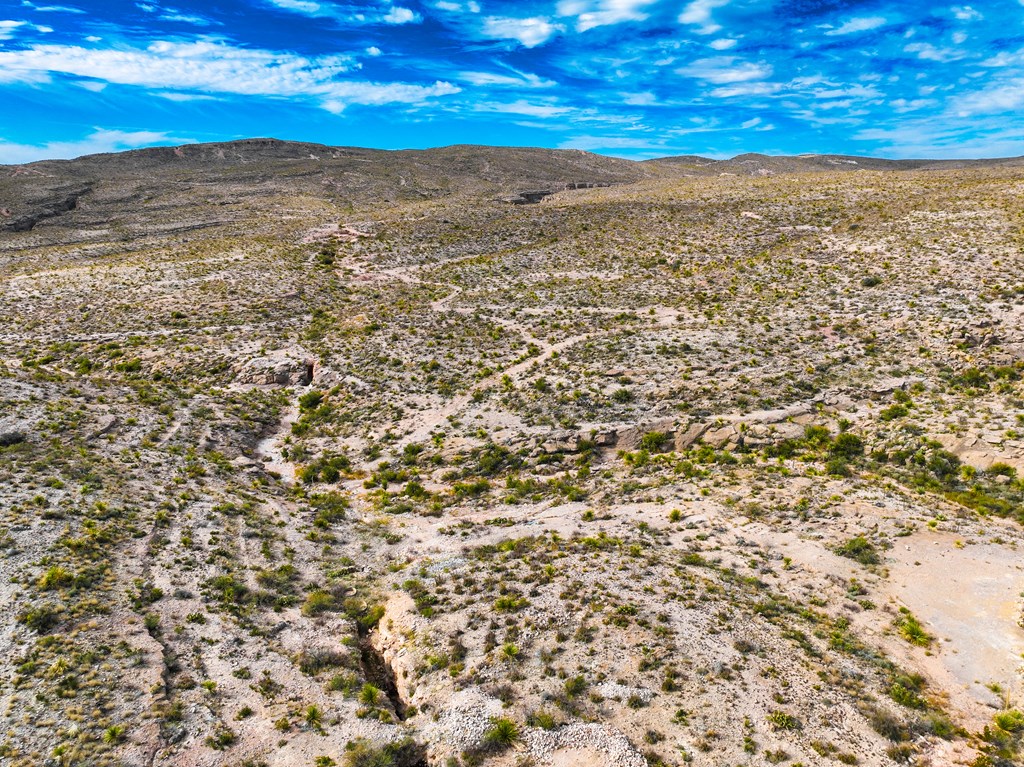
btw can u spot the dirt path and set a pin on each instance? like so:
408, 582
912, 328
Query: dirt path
269, 449
424, 424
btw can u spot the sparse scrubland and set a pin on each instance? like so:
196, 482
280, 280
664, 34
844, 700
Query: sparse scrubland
696, 468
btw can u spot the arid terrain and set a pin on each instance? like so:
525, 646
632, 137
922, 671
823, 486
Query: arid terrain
320, 456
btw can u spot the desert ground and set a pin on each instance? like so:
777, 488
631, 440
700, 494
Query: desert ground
324, 457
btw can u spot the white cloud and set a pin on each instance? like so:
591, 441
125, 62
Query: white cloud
910, 105
446, 5
373, 50
529, 32
299, 6
91, 85
699, 14
591, 143
99, 141
848, 91
645, 99
7, 28
753, 122
966, 13
399, 15
522, 108
862, 24
185, 18
173, 96
345, 14
721, 70
209, 67
515, 79
51, 8
929, 52
722, 44
93, 39
926, 138
959, 37
746, 89
1005, 59
1000, 97
599, 13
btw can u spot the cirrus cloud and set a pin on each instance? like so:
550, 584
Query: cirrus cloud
216, 67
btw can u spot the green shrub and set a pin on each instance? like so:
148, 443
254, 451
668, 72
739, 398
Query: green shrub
654, 441
780, 720
860, 549
847, 446
575, 685
362, 753
622, 396
318, 602
41, 618
910, 628
502, 734
893, 412
1010, 721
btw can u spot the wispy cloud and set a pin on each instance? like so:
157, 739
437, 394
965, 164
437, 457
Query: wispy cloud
599, 13
51, 8
862, 24
529, 32
966, 13
100, 140
217, 67
388, 14
510, 77
726, 69
10, 27
624, 74
699, 14
930, 52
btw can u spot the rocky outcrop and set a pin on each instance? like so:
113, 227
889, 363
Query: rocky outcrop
10, 437
277, 370
53, 204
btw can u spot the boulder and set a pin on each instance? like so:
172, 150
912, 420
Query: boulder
719, 438
685, 439
276, 371
11, 437
106, 425
561, 443
629, 438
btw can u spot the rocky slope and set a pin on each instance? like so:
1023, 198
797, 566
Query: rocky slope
708, 470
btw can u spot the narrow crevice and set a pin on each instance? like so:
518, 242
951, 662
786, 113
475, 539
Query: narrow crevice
378, 672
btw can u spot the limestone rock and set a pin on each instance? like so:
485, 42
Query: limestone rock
276, 371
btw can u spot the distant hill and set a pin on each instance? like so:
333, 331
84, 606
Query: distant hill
761, 164
95, 187
158, 184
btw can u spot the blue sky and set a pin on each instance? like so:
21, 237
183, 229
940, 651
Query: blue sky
633, 78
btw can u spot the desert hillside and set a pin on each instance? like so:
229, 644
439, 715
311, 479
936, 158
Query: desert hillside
332, 456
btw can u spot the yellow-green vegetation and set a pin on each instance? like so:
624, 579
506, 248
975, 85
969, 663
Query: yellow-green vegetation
347, 461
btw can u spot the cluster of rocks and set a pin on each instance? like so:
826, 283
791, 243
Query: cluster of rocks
753, 430
464, 720
277, 370
614, 747
617, 691
534, 196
